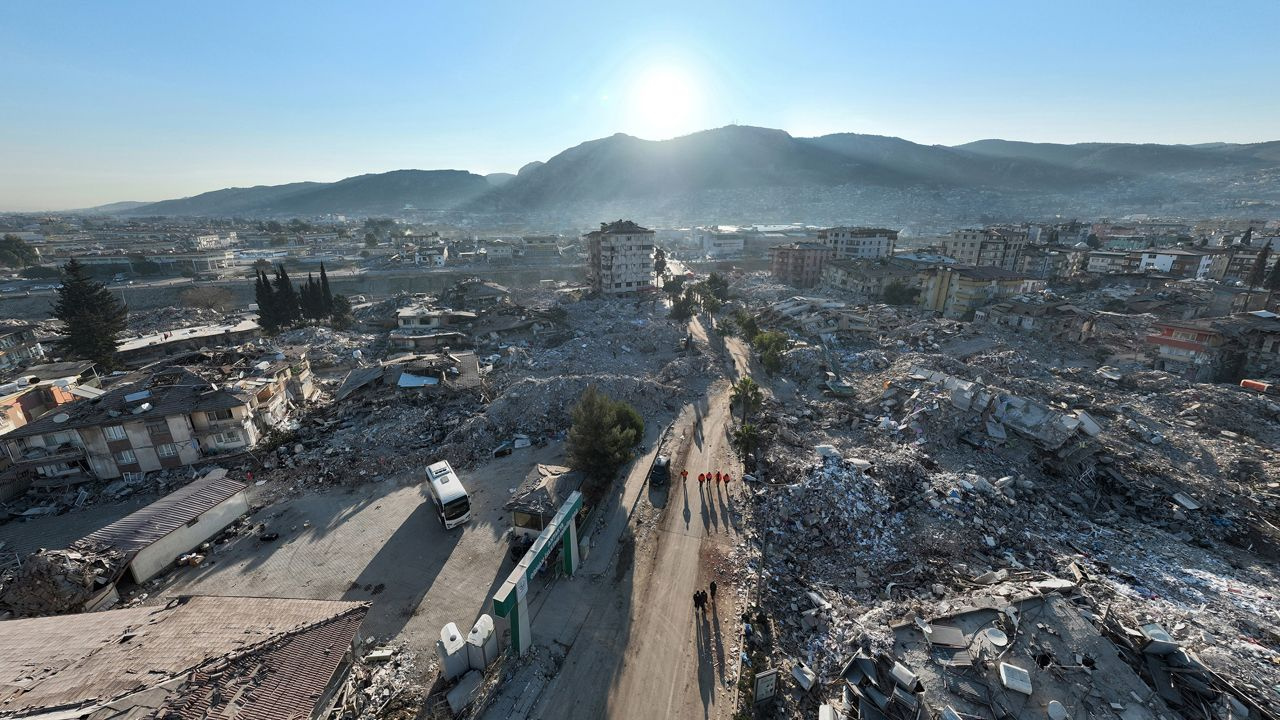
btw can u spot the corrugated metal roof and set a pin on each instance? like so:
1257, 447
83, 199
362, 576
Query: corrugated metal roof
280, 654
143, 527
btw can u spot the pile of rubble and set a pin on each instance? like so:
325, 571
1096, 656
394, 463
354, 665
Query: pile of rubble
384, 685
147, 322
328, 348
52, 582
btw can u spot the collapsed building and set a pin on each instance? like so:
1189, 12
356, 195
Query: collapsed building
194, 657
167, 418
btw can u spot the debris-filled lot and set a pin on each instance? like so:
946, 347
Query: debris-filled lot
925, 481
956, 519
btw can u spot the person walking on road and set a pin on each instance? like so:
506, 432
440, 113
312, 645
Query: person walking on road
701, 477
697, 600
684, 475
713, 591
717, 477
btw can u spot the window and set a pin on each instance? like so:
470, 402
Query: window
157, 428
217, 415
227, 438
126, 457
167, 450
114, 432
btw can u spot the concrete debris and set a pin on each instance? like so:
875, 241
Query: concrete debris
52, 582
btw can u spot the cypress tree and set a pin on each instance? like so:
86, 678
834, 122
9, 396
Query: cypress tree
93, 316
326, 295
268, 316
286, 298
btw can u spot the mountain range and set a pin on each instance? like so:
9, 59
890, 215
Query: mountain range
766, 174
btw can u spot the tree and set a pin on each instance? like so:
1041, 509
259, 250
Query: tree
309, 299
268, 314
1093, 241
1247, 239
747, 323
770, 344
683, 307
748, 395
341, 318
673, 287
746, 439
602, 435
209, 296
659, 263
326, 295
370, 240
15, 252
718, 286
287, 307
92, 315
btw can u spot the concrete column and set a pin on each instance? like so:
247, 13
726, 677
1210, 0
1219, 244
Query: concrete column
570, 548
521, 634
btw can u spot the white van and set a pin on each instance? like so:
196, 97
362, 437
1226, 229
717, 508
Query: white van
452, 503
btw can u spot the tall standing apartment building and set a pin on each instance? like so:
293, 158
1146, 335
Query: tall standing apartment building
620, 258
853, 243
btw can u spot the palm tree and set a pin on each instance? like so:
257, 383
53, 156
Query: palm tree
746, 439
747, 394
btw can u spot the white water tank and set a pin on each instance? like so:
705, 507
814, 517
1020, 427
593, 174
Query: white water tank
482, 644
452, 649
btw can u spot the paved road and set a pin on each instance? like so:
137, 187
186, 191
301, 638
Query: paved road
379, 542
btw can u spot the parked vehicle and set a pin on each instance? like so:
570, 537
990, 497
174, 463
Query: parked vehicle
660, 473
453, 505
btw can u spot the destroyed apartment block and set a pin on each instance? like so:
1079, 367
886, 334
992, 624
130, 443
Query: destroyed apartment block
1059, 320
143, 349
1212, 349
235, 658
426, 327
1026, 658
142, 544
165, 419
447, 370
816, 316
999, 411
19, 346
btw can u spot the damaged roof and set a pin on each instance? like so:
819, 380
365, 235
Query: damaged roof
226, 657
174, 391
144, 527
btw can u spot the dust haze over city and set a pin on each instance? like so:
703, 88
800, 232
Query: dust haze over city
568, 360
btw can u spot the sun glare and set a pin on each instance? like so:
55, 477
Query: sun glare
665, 102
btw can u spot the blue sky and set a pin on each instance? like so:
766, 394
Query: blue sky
107, 101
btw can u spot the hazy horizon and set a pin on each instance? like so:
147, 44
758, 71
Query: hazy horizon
145, 101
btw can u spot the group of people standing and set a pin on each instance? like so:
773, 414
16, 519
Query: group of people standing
700, 598
717, 477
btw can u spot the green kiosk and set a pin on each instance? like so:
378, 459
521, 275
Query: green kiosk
509, 602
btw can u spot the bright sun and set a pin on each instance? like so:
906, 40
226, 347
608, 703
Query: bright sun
664, 103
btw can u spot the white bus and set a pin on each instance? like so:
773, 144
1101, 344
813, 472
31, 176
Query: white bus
452, 503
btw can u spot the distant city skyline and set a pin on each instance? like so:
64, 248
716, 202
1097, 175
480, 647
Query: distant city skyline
149, 101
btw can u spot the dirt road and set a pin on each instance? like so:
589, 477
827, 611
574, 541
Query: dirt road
677, 661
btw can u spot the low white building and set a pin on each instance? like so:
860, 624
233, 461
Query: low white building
721, 242
151, 538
